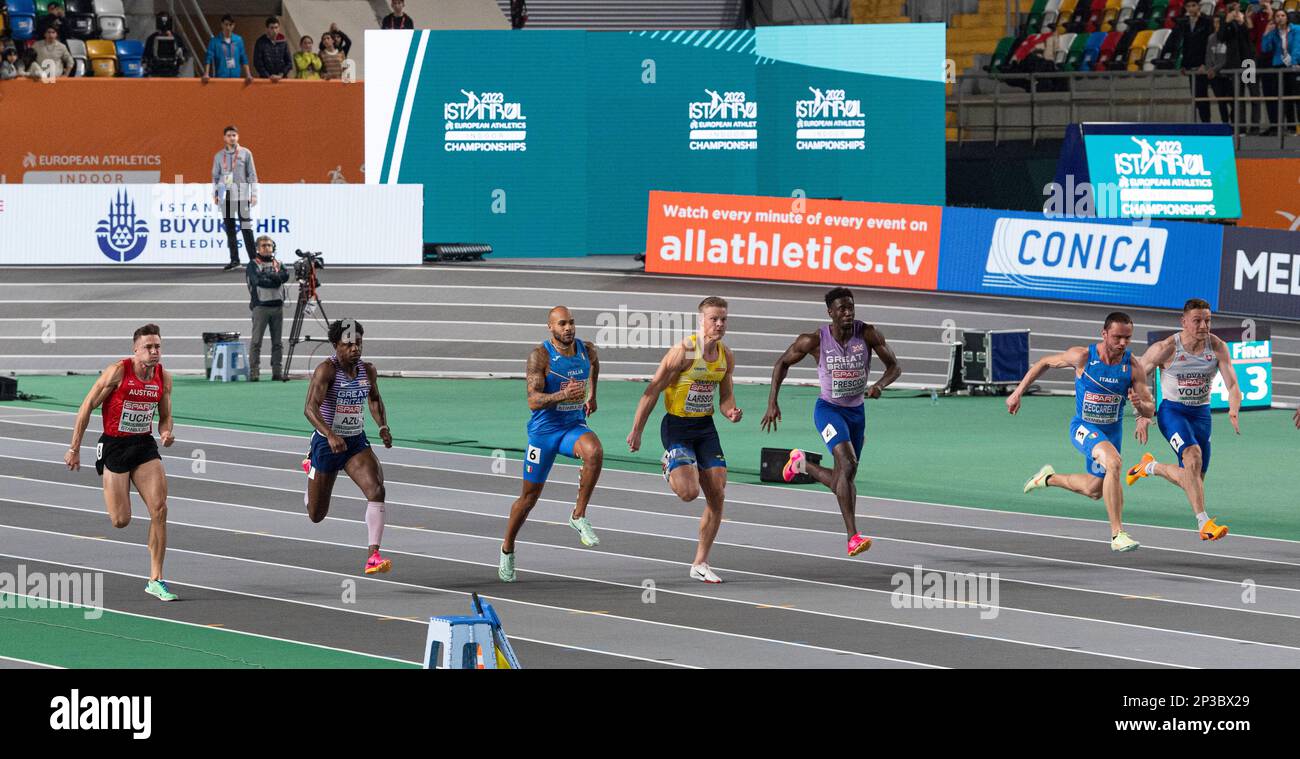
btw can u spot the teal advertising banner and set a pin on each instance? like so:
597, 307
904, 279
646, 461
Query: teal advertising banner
548, 143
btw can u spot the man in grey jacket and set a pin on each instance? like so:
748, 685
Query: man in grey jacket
234, 191
266, 278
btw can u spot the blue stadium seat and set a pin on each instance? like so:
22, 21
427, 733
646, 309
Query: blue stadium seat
22, 19
130, 54
1092, 51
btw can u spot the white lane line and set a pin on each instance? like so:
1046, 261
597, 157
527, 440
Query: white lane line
300, 602
39, 664
426, 588
606, 553
222, 629
483, 459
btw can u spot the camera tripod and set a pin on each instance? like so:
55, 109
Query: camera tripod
308, 300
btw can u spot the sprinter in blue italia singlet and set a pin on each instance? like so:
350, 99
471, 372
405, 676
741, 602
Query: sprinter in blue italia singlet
342, 388
1105, 375
561, 378
1187, 361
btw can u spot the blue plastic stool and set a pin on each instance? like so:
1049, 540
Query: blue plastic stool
229, 361
453, 643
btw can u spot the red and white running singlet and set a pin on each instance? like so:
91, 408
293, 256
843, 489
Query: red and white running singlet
131, 407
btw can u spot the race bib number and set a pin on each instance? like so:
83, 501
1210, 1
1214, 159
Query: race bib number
99, 451
848, 383
572, 405
1080, 434
1194, 390
1176, 441
534, 454
348, 419
699, 399
137, 418
1100, 408
828, 433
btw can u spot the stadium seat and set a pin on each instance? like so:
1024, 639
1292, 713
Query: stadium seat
1207, 8
1121, 21
1171, 52
1027, 47
1141, 14
1063, 15
1001, 54
1063, 43
42, 7
80, 15
1050, 13
22, 19
81, 62
1171, 16
130, 55
1078, 49
1095, 15
111, 19
103, 57
1137, 51
1092, 51
1035, 19
1079, 19
1155, 45
1107, 53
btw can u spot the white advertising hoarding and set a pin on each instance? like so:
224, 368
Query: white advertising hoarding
179, 223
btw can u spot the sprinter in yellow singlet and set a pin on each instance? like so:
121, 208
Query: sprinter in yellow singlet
692, 374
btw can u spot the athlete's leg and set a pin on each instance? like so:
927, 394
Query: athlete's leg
1112, 486
841, 482
713, 481
117, 497
589, 449
1083, 484
320, 485
365, 471
684, 479
519, 512
150, 481
1188, 476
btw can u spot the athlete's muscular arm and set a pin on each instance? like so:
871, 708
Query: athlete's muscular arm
670, 368
321, 379
876, 342
595, 373
165, 410
1074, 358
1139, 392
803, 345
1157, 355
535, 376
726, 393
99, 392
376, 403
1229, 380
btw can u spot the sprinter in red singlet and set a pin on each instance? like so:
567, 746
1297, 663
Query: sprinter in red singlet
132, 391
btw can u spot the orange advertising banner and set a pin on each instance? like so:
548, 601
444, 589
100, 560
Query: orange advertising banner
146, 131
1270, 192
826, 241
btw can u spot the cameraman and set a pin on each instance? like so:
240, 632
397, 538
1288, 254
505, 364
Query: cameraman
266, 278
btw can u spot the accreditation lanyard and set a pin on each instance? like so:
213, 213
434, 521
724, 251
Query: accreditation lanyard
229, 47
229, 159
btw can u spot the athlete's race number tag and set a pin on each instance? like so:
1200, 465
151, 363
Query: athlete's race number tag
534, 454
348, 420
848, 383
99, 451
699, 399
828, 433
137, 418
572, 405
1080, 435
1176, 441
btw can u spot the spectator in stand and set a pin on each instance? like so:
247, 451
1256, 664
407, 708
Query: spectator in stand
227, 57
50, 49
1195, 33
1240, 52
1259, 21
1216, 60
305, 62
331, 58
519, 14
398, 18
342, 42
54, 18
156, 65
1280, 49
9, 64
271, 56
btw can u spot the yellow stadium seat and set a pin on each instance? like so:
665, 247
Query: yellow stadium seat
103, 57
1138, 50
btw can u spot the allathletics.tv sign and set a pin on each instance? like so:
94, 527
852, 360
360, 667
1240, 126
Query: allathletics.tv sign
1155, 171
1101, 261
